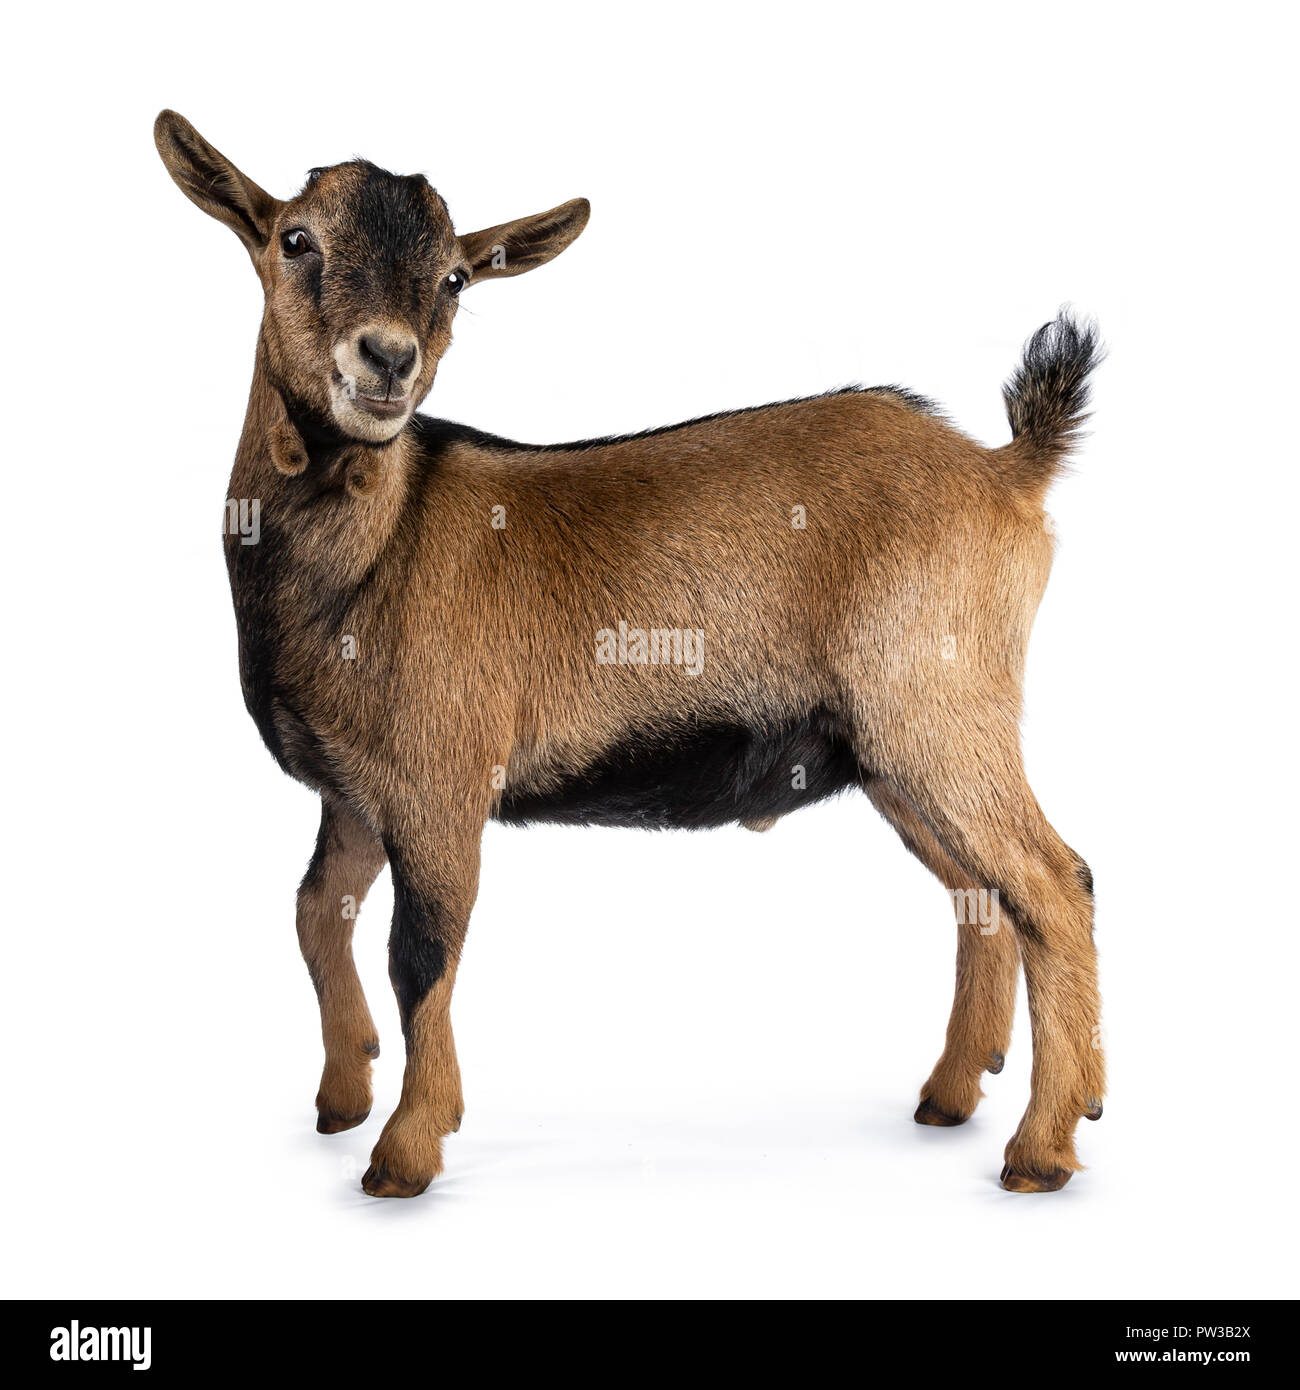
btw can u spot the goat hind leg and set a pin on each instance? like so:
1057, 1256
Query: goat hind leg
969, 787
988, 966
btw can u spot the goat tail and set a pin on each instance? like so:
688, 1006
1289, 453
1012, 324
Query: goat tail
1047, 397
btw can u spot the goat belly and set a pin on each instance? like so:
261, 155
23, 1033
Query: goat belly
696, 779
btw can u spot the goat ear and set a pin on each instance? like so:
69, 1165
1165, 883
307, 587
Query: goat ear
210, 181
514, 247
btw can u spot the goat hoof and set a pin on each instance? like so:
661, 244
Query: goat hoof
379, 1182
1093, 1112
996, 1062
455, 1129
1015, 1181
928, 1113
327, 1122
371, 1048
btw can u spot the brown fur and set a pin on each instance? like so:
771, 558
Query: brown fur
902, 608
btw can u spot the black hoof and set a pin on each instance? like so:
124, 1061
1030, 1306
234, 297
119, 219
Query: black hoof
927, 1113
1034, 1182
327, 1122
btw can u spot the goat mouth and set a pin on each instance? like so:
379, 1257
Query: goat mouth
381, 409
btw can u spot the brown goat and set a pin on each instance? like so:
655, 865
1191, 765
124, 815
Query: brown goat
717, 622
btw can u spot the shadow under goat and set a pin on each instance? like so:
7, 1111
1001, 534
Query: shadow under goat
721, 621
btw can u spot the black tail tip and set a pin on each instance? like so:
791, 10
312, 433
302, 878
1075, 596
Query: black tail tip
1068, 338
1048, 395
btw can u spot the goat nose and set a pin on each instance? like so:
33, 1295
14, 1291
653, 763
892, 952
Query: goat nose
395, 355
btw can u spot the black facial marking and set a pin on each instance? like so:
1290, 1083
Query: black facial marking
310, 271
397, 236
387, 241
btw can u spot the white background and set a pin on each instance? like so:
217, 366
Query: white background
690, 1061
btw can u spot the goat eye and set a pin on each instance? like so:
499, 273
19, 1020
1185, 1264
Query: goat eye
295, 243
455, 282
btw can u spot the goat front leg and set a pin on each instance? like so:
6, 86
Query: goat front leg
347, 861
435, 880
